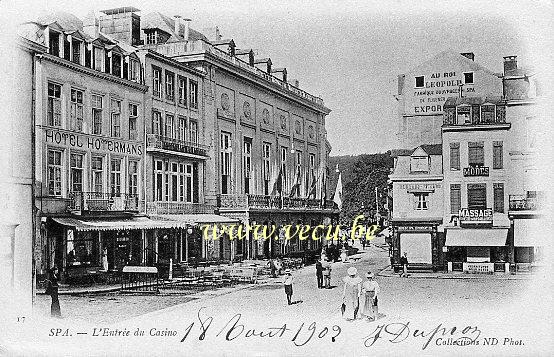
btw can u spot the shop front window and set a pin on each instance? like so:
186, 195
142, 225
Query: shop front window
82, 248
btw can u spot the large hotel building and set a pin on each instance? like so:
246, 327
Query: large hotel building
146, 129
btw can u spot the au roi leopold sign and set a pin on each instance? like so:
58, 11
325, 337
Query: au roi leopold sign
479, 216
89, 142
476, 171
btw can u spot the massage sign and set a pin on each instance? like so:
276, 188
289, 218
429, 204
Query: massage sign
92, 143
475, 216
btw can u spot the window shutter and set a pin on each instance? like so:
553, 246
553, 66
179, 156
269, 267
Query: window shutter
477, 196
498, 197
476, 154
455, 198
455, 156
497, 162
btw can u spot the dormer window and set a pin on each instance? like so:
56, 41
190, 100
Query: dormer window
98, 58
419, 164
54, 43
116, 64
76, 51
152, 37
134, 70
487, 113
464, 114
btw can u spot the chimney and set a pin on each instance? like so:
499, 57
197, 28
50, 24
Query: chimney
187, 29
90, 25
510, 63
177, 22
469, 55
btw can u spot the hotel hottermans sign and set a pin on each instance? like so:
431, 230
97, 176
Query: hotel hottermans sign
475, 216
92, 142
476, 171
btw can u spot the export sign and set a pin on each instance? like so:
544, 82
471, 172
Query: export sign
475, 215
476, 171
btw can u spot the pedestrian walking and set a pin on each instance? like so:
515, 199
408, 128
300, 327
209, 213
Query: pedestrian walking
272, 268
363, 243
404, 263
319, 273
351, 294
52, 290
370, 290
344, 255
327, 274
288, 285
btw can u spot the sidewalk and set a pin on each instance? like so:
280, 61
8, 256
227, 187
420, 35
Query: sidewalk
387, 272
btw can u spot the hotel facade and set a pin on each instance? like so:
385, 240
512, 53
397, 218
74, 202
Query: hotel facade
146, 130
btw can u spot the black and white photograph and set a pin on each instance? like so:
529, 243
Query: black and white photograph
276, 178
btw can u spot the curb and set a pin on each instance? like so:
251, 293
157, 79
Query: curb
458, 277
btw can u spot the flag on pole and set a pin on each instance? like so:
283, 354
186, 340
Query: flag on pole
278, 185
295, 191
337, 198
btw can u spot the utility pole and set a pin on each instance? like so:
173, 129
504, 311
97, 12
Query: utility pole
376, 202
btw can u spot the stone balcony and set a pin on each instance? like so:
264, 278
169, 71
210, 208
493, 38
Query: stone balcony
161, 207
158, 142
100, 201
265, 202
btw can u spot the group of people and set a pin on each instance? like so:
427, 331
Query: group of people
359, 298
323, 273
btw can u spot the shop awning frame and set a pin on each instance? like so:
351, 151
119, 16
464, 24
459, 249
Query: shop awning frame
467, 237
117, 224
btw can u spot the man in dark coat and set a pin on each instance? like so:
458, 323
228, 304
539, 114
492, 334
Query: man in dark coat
404, 263
319, 273
52, 290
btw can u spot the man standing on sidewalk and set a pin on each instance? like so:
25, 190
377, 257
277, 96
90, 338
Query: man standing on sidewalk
404, 263
319, 273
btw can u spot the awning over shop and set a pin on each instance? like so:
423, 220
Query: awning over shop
476, 237
195, 219
385, 232
529, 232
117, 224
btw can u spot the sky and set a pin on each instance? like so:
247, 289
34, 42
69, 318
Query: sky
351, 52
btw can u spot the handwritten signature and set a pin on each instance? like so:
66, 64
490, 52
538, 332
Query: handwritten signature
398, 332
236, 329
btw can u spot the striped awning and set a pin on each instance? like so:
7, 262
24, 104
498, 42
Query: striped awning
117, 224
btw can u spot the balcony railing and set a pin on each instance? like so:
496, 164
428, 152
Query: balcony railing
200, 46
155, 141
525, 203
99, 201
160, 207
272, 202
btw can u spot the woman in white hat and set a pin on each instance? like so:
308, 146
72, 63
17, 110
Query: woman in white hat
288, 285
351, 294
370, 290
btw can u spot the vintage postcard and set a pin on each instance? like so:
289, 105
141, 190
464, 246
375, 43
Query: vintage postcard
276, 178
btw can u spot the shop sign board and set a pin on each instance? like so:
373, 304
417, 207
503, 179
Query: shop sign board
475, 216
476, 171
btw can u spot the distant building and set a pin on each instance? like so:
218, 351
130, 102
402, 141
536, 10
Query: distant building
422, 93
417, 205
